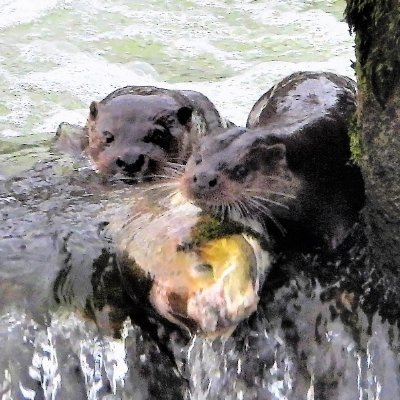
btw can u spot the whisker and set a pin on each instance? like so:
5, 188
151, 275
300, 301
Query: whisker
268, 213
260, 207
159, 176
233, 209
174, 168
246, 208
174, 165
224, 210
164, 186
270, 201
290, 196
174, 173
179, 160
240, 209
227, 210
171, 194
277, 178
131, 218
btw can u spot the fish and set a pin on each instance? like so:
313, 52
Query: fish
199, 273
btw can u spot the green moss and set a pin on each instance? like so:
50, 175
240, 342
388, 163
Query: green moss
209, 228
355, 140
376, 24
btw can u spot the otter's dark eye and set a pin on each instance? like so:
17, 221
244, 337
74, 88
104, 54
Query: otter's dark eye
108, 136
240, 172
159, 138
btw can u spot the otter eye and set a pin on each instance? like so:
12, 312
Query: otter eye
108, 136
159, 138
240, 172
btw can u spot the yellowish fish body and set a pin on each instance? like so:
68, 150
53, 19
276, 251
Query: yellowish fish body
205, 275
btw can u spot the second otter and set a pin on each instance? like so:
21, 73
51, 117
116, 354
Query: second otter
143, 131
290, 166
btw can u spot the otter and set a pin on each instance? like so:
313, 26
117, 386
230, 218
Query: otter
145, 131
289, 171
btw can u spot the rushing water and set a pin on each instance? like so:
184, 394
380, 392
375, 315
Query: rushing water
58, 55
56, 266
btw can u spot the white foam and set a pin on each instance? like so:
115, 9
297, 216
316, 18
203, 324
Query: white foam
9, 133
50, 123
15, 12
84, 75
182, 36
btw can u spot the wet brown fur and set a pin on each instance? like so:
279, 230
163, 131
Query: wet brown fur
290, 169
143, 131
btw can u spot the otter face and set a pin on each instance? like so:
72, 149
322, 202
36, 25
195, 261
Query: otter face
136, 135
241, 171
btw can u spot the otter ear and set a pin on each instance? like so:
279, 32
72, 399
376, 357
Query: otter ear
94, 109
184, 115
270, 153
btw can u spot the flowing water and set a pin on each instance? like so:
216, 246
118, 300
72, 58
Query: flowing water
56, 266
58, 55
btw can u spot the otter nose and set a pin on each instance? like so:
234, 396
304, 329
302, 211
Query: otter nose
131, 163
205, 180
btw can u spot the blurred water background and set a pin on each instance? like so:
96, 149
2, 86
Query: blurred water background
56, 56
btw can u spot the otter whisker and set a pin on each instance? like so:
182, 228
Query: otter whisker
260, 207
235, 210
174, 165
159, 176
172, 194
246, 208
163, 186
175, 158
228, 211
290, 196
173, 172
277, 178
263, 210
266, 211
270, 201
173, 168
241, 208
131, 218
219, 210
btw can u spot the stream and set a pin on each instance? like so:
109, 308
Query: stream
67, 328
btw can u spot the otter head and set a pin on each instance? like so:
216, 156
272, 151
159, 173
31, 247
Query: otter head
136, 135
242, 174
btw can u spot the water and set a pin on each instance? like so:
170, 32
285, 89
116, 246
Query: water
61, 303
58, 55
